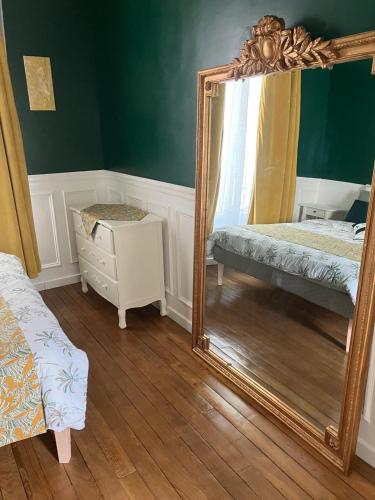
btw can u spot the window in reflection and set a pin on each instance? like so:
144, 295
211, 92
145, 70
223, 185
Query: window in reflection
238, 155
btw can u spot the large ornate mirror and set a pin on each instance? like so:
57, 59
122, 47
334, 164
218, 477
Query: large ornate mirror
285, 237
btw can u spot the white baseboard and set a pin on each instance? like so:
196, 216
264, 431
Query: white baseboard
179, 318
55, 283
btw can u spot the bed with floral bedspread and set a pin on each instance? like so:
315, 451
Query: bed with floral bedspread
61, 367
320, 252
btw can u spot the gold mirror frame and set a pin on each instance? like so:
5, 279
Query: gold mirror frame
273, 49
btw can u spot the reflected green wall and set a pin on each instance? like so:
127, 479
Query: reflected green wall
68, 139
337, 130
149, 53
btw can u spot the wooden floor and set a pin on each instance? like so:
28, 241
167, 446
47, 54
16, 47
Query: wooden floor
161, 425
289, 345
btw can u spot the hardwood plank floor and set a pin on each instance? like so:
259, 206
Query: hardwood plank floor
287, 344
161, 425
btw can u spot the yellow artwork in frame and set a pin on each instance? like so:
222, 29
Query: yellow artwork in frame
39, 83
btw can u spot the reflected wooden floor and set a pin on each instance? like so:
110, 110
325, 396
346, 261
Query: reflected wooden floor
161, 425
294, 348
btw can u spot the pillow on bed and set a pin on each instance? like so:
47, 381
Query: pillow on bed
357, 212
359, 231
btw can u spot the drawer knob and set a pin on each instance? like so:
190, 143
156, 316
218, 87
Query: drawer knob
85, 272
105, 286
101, 261
83, 249
99, 237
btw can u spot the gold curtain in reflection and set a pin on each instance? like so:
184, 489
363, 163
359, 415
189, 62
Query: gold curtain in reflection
17, 234
277, 147
216, 142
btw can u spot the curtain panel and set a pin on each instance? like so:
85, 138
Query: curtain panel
17, 232
277, 148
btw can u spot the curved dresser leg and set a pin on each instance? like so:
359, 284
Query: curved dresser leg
163, 307
84, 285
63, 445
122, 318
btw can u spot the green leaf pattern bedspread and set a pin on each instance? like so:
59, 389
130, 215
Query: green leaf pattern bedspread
62, 368
328, 269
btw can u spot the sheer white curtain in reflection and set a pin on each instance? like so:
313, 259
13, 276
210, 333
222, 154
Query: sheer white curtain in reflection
241, 111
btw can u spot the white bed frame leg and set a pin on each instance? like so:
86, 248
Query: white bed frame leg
349, 335
220, 273
63, 445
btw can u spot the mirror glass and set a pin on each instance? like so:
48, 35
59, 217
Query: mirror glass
290, 165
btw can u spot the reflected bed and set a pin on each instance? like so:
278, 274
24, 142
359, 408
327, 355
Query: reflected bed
318, 260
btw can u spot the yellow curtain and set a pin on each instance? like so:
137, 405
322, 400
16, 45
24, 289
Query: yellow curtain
216, 142
277, 147
17, 234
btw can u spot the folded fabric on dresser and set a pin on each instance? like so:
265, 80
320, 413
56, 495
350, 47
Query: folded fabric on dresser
21, 407
62, 368
109, 211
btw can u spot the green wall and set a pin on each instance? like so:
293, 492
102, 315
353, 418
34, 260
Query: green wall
140, 57
68, 139
149, 52
337, 129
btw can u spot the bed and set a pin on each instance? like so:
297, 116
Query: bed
317, 260
62, 368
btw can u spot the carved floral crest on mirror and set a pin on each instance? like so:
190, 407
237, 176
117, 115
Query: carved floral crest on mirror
285, 233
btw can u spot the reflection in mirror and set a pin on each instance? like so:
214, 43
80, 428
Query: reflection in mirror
288, 192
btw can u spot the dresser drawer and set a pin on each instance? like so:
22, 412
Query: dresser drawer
96, 256
103, 237
104, 285
316, 212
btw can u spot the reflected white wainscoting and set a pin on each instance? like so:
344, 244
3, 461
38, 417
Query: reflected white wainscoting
53, 194
325, 192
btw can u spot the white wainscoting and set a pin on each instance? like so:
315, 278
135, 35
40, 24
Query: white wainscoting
366, 438
50, 197
53, 194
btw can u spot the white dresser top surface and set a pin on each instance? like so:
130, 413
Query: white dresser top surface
320, 206
112, 224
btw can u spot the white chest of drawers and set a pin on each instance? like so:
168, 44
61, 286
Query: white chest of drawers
123, 262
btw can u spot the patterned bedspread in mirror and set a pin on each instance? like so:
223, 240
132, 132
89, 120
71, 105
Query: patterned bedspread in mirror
321, 251
62, 368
